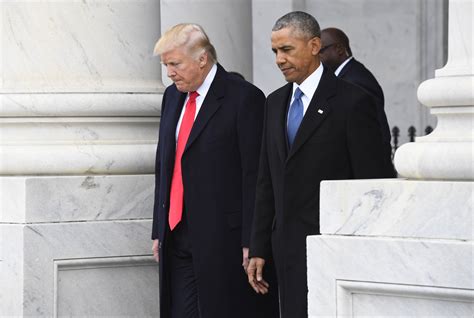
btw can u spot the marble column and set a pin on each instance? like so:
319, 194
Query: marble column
80, 96
228, 23
266, 74
79, 87
447, 153
404, 247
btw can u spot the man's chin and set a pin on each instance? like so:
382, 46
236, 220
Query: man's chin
180, 88
289, 79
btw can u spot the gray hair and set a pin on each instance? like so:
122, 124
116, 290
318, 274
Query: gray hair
304, 24
189, 35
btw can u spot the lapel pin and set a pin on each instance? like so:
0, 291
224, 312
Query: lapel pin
320, 111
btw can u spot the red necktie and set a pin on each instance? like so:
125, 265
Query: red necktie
176, 196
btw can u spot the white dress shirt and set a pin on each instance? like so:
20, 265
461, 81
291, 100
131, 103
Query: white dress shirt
308, 87
339, 69
202, 91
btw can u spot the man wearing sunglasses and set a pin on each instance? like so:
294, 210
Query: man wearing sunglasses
336, 54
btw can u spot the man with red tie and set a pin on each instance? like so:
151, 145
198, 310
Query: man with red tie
206, 168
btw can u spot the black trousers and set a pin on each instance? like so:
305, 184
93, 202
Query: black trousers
183, 287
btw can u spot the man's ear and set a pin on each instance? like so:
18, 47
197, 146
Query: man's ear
315, 45
203, 60
341, 50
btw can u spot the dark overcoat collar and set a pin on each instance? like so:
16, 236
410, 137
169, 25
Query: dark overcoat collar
346, 68
213, 100
210, 105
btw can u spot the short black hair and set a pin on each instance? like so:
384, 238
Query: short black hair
303, 23
340, 37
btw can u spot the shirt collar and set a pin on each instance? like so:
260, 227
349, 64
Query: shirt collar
339, 69
204, 88
309, 85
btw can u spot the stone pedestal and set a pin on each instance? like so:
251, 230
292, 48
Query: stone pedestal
80, 95
447, 153
393, 248
77, 246
405, 248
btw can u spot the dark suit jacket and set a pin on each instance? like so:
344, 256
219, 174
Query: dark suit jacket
356, 73
339, 138
219, 169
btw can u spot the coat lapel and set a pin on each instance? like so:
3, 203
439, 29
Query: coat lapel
211, 104
175, 107
281, 113
346, 68
319, 108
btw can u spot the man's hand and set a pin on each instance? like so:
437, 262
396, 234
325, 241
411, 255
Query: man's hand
255, 275
245, 258
156, 244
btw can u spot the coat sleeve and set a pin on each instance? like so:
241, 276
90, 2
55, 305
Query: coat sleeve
367, 148
260, 243
249, 122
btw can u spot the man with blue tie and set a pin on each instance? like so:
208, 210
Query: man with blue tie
317, 127
206, 171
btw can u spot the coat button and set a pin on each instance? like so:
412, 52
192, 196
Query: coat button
163, 205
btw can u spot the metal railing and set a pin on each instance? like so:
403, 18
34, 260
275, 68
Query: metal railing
411, 135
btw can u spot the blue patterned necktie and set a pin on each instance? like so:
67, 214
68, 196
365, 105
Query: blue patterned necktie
295, 116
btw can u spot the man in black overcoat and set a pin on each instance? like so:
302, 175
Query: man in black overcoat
206, 169
336, 54
317, 127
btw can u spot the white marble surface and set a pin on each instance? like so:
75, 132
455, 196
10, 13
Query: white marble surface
460, 33
80, 90
358, 276
266, 74
436, 160
398, 208
77, 246
76, 104
365, 305
83, 287
447, 90
76, 198
78, 130
77, 145
448, 153
44, 245
81, 159
11, 271
79, 46
228, 23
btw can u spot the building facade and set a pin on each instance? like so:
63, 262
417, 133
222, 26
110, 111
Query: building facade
80, 97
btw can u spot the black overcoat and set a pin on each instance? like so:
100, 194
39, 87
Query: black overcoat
356, 73
339, 138
219, 169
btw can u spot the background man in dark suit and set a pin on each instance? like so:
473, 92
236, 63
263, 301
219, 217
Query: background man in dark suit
206, 167
317, 127
336, 54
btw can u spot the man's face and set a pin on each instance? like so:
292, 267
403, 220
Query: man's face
297, 57
183, 69
330, 51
